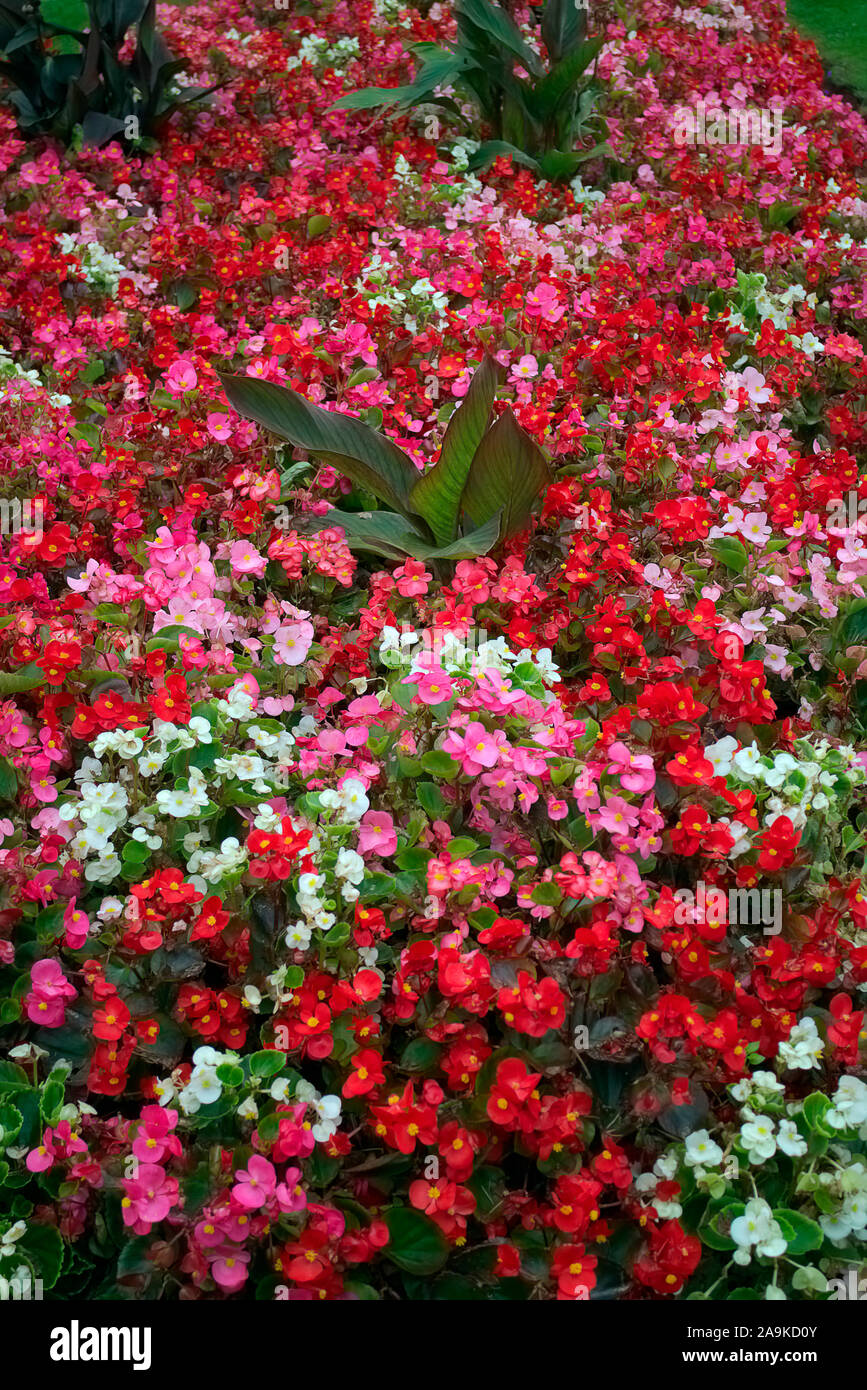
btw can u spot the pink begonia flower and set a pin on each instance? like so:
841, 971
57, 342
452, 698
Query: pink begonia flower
585, 791
229, 1269
434, 687
209, 1232
616, 816
476, 747
526, 369
376, 833
150, 1196
154, 1138
42, 1157
292, 643
754, 527
76, 925
636, 771
290, 1195
181, 376
45, 1003
244, 558
543, 303
219, 426
557, 810
44, 788
6, 827
412, 579
331, 741
255, 1183
275, 705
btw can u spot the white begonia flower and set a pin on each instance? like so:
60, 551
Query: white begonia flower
758, 1228
757, 1137
720, 755
836, 1225
353, 799
164, 1090
804, 1048
151, 762
248, 1109
297, 937
349, 866
700, 1148
748, 762
201, 728
784, 763
177, 803
328, 1110
849, 1104
789, 1140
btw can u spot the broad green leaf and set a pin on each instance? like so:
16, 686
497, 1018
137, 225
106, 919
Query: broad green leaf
386, 533
731, 551
383, 533
437, 494
267, 1063
494, 21
472, 543
439, 68
545, 97
8, 781
806, 1233
489, 150
417, 1244
42, 1247
563, 27
365, 456
508, 473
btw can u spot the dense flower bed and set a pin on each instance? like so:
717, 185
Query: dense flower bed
484, 930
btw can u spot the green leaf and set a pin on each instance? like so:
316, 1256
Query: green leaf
815, 1108
419, 1055
563, 27
439, 764
731, 551
8, 781
807, 1234
382, 533
11, 1121
508, 473
437, 495
494, 21
167, 637
417, 1245
368, 458
489, 150
554, 89
13, 1078
431, 799
266, 1064
43, 1248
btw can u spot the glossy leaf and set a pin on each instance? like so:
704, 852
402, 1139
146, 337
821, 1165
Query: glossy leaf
508, 473
368, 458
437, 494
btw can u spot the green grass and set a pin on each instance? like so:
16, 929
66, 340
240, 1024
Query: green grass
839, 30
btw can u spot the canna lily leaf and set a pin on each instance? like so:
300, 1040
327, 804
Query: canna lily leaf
489, 150
437, 494
494, 21
507, 475
365, 456
386, 533
563, 27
